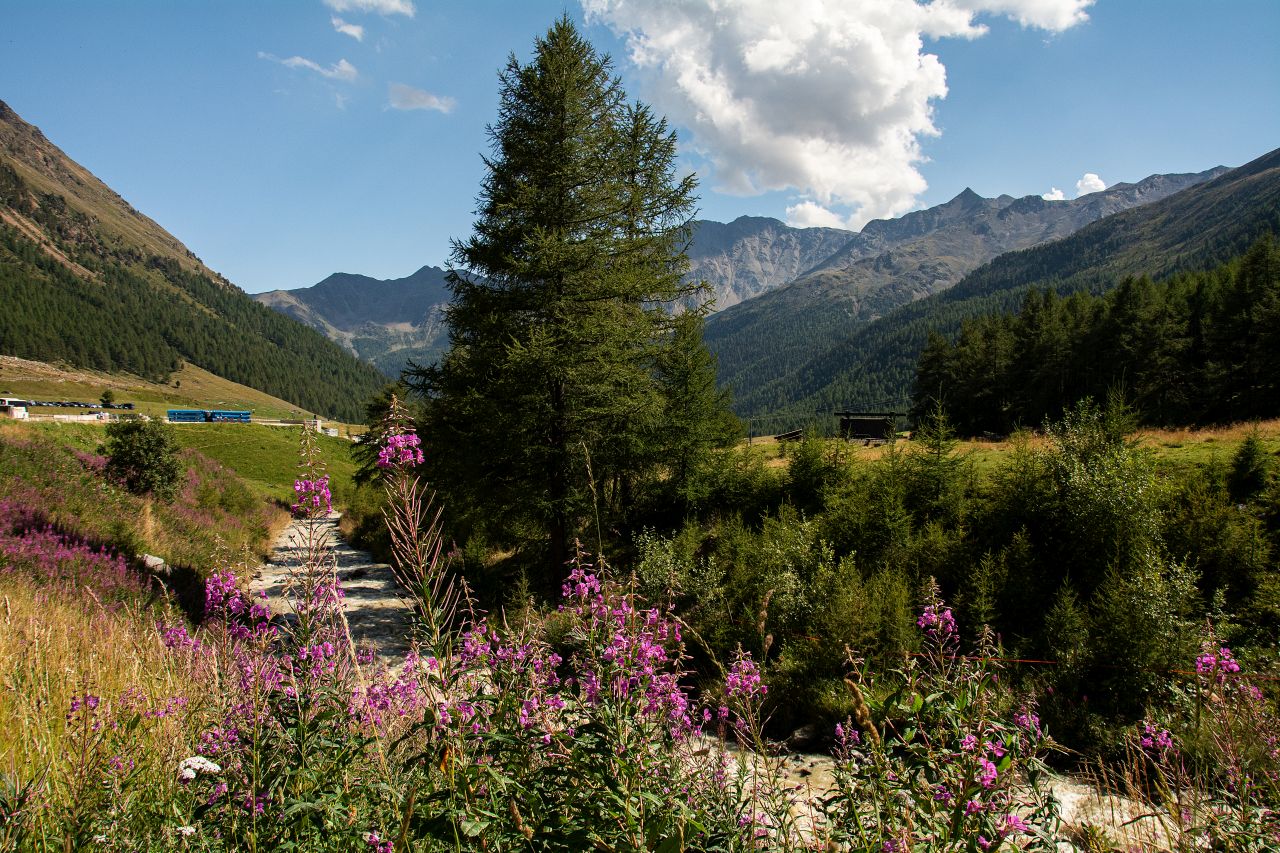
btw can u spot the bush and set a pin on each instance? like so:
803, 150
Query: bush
144, 456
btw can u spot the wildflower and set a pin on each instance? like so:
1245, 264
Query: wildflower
400, 450
1028, 721
1013, 823
968, 743
1154, 739
186, 831
311, 494
937, 623
374, 841
743, 681
189, 768
987, 775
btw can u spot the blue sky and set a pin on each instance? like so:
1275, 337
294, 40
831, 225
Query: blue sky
277, 146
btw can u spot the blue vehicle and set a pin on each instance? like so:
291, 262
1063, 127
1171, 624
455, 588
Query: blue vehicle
202, 416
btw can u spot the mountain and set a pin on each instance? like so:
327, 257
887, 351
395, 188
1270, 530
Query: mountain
385, 322
87, 280
754, 254
391, 322
1197, 228
893, 262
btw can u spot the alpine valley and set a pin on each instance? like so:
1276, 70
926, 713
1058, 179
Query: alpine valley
782, 298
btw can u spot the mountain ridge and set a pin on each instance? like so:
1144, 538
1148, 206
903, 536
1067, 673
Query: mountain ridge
1196, 228
895, 262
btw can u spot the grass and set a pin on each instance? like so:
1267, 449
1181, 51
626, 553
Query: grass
1175, 448
56, 646
190, 387
265, 457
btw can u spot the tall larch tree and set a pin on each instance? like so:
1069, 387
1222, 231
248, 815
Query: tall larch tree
549, 407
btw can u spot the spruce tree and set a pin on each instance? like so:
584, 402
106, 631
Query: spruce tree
549, 406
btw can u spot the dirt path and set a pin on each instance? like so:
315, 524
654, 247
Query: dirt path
374, 606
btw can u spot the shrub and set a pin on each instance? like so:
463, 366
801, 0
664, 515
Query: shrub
144, 456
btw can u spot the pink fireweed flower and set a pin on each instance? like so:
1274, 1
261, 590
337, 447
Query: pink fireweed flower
1013, 823
1027, 721
937, 623
400, 450
311, 495
1217, 663
987, 774
743, 681
1153, 739
377, 844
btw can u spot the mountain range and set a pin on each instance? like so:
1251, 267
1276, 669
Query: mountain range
88, 281
808, 318
385, 322
1204, 225
782, 296
892, 263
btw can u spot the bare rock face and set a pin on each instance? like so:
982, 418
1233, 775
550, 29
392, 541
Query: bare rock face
752, 255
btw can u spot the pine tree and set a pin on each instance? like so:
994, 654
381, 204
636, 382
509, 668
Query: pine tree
548, 406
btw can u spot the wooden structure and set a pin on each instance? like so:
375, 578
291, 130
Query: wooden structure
793, 435
876, 426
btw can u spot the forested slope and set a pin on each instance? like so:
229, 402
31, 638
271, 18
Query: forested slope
87, 280
1197, 228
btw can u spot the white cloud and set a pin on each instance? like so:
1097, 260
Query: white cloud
342, 70
404, 97
808, 214
826, 98
1090, 183
381, 7
1052, 15
354, 30
1054, 194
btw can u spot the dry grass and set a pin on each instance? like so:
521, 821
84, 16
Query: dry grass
55, 645
1184, 446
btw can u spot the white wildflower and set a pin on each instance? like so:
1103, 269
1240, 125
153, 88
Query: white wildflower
189, 768
186, 831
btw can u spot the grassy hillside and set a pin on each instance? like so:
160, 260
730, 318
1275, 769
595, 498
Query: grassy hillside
264, 458
189, 387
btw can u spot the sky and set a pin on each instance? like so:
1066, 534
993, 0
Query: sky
283, 141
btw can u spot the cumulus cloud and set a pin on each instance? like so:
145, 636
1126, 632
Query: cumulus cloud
354, 30
1052, 15
342, 70
381, 7
828, 99
404, 97
1054, 194
808, 214
1090, 183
